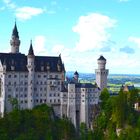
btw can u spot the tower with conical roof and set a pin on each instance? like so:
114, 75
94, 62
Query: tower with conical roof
101, 73
31, 74
15, 42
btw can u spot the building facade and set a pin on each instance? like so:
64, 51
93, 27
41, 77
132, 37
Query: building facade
33, 80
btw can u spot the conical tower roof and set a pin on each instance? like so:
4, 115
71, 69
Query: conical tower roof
15, 31
31, 51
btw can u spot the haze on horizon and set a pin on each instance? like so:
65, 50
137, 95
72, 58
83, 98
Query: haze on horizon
80, 31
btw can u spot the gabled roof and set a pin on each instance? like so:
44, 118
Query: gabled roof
19, 62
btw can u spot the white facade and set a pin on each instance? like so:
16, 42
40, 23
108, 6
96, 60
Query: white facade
78, 101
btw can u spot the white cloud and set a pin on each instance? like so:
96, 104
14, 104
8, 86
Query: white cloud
10, 4
61, 49
93, 31
135, 40
26, 12
39, 45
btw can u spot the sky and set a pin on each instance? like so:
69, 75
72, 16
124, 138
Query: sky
79, 30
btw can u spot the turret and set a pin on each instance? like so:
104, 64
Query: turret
30, 66
101, 73
76, 76
15, 42
101, 62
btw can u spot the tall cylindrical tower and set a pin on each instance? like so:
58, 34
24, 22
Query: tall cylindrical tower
101, 73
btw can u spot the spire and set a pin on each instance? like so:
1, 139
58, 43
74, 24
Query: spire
31, 51
15, 31
15, 42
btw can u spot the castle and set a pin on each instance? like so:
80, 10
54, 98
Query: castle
33, 80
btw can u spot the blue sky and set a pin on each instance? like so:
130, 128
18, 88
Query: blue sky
81, 30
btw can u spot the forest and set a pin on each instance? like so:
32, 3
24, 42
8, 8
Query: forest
117, 120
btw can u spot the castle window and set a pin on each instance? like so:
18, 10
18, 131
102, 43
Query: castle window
9, 83
50, 76
35, 89
25, 101
25, 95
83, 101
41, 95
25, 89
9, 76
15, 76
9, 89
16, 95
37, 100
54, 100
54, 94
40, 89
45, 100
41, 82
58, 82
21, 101
50, 100
45, 89
16, 89
50, 95
45, 82
58, 94
37, 82
45, 76
36, 95
25, 83
39, 76
58, 100
40, 100
56, 76
14, 83
26, 76
9, 96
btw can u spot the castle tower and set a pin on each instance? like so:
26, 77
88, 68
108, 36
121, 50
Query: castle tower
15, 42
31, 71
71, 107
101, 73
76, 76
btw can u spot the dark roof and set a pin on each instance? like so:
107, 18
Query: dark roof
101, 58
76, 73
84, 85
19, 61
31, 51
15, 31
